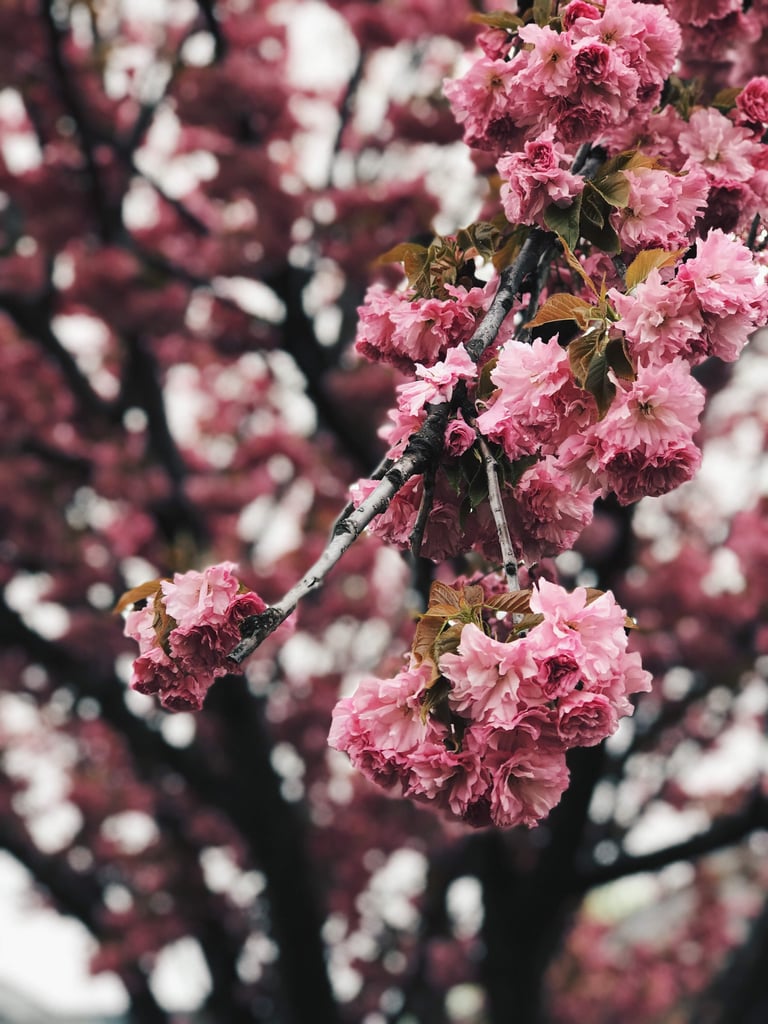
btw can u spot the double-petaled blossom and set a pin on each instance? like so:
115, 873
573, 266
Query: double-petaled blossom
644, 445
494, 750
604, 67
186, 632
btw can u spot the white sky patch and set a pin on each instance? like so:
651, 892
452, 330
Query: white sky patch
322, 50
131, 831
26, 929
739, 757
181, 980
252, 297
662, 825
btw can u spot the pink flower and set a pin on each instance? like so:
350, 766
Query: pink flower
548, 510
661, 321
494, 750
436, 382
485, 675
537, 402
395, 329
725, 278
752, 101
662, 207
182, 651
480, 103
724, 150
533, 179
201, 598
585, 719
643, 446
529, 779
459, 436
380, 725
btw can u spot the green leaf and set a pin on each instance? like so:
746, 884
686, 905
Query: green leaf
599, 384
581, 352
605, 238
618, 360
594, 208
725, 100
614, 188
542, 11
564, 221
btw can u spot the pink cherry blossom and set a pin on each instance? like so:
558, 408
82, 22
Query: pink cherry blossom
533, 179
201, 598
752, 101
201, 613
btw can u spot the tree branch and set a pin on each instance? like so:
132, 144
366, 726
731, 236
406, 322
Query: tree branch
725, 832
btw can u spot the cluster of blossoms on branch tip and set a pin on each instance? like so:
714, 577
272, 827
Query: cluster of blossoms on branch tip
498, 687
186, 628
547, 354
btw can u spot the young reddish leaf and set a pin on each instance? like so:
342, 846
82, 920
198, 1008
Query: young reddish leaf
651, 259
422, 649
496, 19
562, 307
528, 622
162, 623
135, 594
573, 263
403, 252
516, 603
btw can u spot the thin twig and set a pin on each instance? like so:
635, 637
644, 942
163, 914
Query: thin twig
419, 453
508, 556
423, 449
427, 498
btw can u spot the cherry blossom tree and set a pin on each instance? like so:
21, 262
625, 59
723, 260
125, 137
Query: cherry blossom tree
385, 366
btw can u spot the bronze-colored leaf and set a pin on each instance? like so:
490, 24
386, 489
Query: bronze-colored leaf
572, 260
515, 603
497, 19
162, 623
562, 307
403, 252
651, 259
141, 593
441, 593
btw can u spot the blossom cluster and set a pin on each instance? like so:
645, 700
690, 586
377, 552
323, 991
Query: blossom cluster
186, 632
605, 66
486, 740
